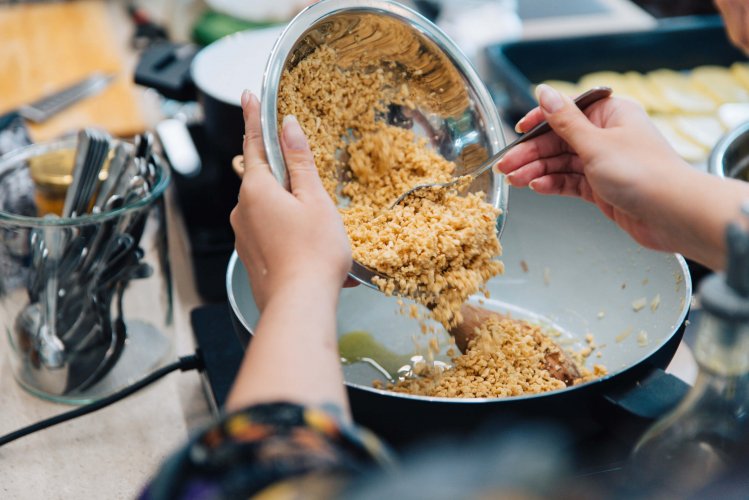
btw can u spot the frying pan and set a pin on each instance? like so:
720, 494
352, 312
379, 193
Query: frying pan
568, 267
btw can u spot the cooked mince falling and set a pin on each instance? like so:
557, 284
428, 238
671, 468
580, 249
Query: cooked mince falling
437, 249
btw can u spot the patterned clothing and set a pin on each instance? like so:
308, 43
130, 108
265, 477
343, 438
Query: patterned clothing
269, 450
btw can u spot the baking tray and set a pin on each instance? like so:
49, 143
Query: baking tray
517, 66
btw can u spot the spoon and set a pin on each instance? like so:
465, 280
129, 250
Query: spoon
582, 101
558, 363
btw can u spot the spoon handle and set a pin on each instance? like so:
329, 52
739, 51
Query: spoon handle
582, 101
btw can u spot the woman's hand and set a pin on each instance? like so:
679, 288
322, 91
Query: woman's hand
736, 17
286, 239
613, 156
297, 255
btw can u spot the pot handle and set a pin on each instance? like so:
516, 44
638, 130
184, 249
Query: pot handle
166, 68
650, 397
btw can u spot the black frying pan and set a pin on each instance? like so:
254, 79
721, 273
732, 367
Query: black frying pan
583, 275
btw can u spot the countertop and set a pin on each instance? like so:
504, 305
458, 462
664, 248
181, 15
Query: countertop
113, 452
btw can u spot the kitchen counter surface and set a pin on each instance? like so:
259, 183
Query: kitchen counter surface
112, 452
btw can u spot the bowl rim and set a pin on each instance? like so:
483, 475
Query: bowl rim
8, 163
319, 11
715, 164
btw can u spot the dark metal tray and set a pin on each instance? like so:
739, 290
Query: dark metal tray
679, 45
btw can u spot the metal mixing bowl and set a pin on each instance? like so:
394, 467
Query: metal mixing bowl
462, 122
730, 156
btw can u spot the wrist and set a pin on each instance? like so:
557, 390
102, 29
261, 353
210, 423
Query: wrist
311, 288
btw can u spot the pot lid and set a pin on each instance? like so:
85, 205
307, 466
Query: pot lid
234, 63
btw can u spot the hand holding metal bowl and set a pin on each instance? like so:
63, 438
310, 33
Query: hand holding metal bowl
462, 123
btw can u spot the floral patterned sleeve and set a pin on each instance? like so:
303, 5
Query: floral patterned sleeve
268, 449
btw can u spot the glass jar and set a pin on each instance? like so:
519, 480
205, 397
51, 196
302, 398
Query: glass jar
85, 302
704, 435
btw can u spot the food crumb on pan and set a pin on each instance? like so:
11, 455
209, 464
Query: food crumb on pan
624, 285
624, 335
639, 304
642, 338
645, 281
601, 314
524, 266
655, 302
547, 276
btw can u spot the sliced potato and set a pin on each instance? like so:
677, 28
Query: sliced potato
733, 114
719, 83
704, 130
687, 149
566, 88
643, 92
677, 89
740, 72
616, 81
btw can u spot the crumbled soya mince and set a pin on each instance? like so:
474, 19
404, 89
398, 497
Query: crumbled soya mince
507, 358
437, 249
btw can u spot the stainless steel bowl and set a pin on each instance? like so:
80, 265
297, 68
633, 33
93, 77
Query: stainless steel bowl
463, 124
730, 156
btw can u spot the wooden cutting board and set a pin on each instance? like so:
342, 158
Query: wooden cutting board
45, 47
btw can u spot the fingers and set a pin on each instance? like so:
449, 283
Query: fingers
565, 163
254, 151
546, 146
300, 162
530, 120
563, 184
565, 118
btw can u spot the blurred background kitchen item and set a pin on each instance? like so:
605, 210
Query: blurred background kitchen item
83, 257
47, 47
730, 157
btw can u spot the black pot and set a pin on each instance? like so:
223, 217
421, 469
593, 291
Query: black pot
215, 76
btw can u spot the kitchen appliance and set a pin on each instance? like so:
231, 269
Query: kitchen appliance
206, 193
567, 266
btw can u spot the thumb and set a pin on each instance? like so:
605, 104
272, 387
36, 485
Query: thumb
300, 162
565, 118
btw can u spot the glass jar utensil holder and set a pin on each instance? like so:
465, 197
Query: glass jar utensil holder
85, 298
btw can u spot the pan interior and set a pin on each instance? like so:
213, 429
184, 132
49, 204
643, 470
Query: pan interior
567, 267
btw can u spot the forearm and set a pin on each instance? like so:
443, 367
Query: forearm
695, 210
293, 355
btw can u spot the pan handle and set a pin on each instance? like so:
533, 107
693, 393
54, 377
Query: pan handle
650, 397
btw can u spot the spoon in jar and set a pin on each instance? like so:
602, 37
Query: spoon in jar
582, 101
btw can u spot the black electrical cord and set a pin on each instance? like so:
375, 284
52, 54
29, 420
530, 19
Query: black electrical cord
185, 363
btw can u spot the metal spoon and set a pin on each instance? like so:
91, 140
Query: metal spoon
50, 347
583, 101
